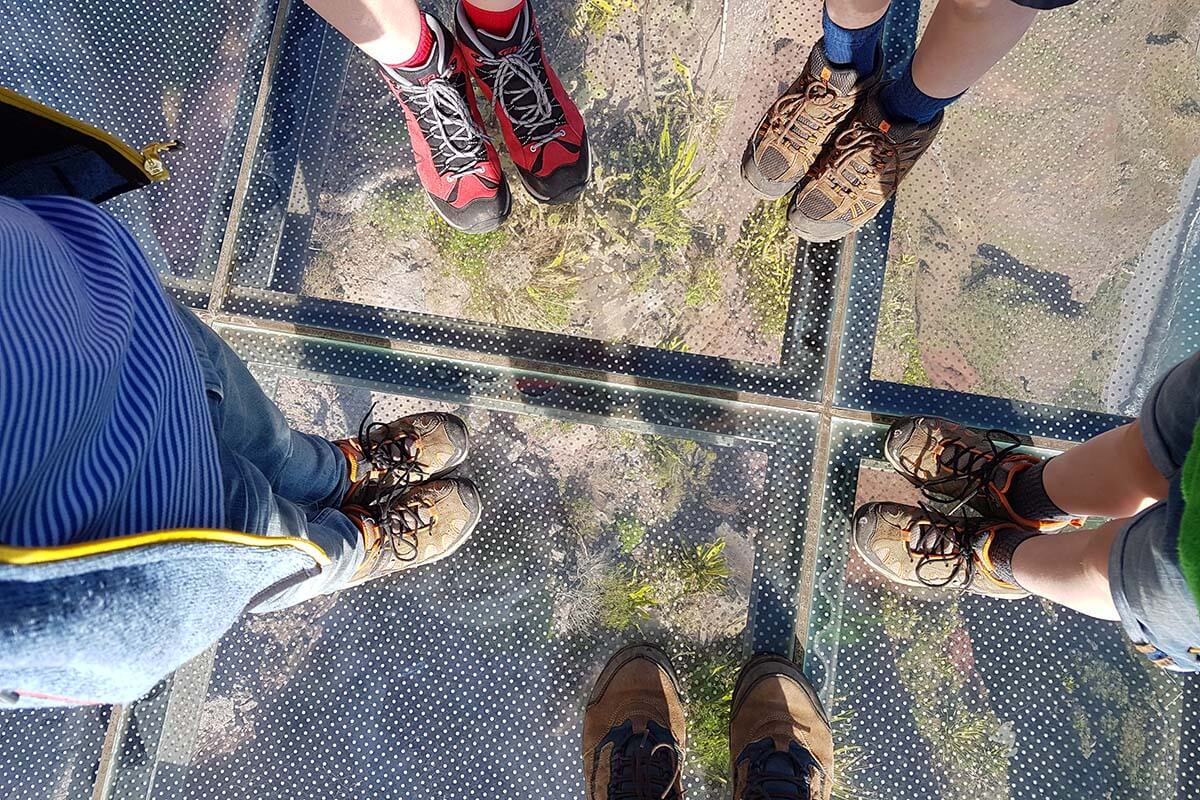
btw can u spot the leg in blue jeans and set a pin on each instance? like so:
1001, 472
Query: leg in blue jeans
277, 481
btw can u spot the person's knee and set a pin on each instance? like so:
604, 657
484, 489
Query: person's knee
1142, 470
1096, 556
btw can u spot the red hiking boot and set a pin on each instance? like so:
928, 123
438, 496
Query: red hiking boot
542, 128
456, 162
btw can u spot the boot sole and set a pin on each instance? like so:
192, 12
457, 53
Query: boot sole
768, 665
623, 657
487, 225
568, 195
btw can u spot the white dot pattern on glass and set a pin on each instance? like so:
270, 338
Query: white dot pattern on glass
148, 72
935, 695
466, 678
342, 218
1056, 272
1044, 248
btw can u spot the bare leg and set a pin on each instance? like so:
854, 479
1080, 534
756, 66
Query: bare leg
1070, 569
1109, 475
854, 14
964, 39
496, 5
386, 30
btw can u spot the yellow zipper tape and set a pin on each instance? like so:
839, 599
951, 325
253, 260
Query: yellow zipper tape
24, 556
148, 161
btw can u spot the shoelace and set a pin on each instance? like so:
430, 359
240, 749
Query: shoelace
641, 776
446, 118
883, 158
757, 777
817, 94
396, 456
941, 539
978, 468
522, 92
400, 525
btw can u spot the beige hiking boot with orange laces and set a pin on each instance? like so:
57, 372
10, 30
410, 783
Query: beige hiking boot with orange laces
951, 463
387, 456
917, 547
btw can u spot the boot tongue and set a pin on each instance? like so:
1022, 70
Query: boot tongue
897, 130
498, 43
841, 79
785, 768
398, 451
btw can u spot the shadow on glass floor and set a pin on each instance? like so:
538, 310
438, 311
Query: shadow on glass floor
1041, 265
940, 694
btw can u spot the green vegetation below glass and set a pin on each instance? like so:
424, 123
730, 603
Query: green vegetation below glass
970, 746
765, 252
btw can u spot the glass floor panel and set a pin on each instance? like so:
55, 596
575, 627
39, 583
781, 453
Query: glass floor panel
152, 72
1046, 249
51, 753
337, 232
472, 673
940, 695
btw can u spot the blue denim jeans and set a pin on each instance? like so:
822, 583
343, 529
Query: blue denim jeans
277, 481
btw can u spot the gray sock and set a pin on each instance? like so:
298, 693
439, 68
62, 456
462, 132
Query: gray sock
1004, 543
1028, 495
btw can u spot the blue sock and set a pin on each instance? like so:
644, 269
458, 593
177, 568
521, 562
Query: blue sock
902, 100
852, 47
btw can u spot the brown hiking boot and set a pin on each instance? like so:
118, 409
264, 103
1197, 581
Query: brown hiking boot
780, 743
633, 729
417, 526
858, 172
384, 457
918, 547
800, 122
951, 463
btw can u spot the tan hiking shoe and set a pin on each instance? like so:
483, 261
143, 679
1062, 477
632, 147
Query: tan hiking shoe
418, 526
952, 463
799, 123
384, 457
633, 729
780, 742
908, 545
858, 172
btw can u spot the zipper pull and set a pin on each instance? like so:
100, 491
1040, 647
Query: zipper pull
152, 164
9, 698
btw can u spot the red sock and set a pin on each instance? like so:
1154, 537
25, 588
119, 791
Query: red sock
424, 48
498, 23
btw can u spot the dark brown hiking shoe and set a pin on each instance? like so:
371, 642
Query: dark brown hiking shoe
799, 123
633, 729
952, 463
417, 526
780, 742
858, 172
385, 457
917, 547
